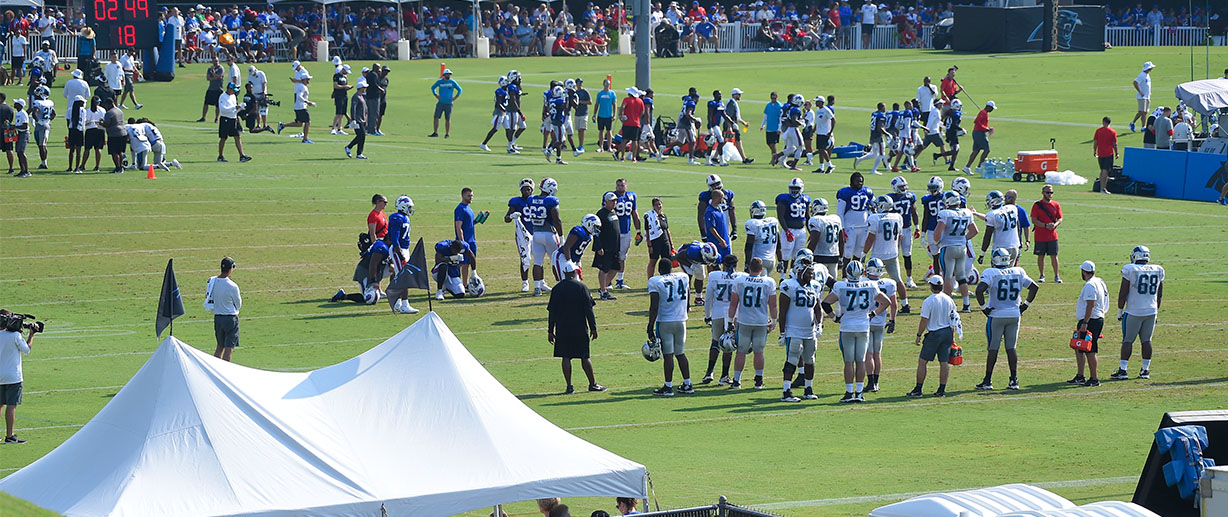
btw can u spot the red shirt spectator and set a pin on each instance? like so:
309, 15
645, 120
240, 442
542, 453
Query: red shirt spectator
982, 121
949, 89
1044, 213
1106, 142
633, 110
380, 221
834, 16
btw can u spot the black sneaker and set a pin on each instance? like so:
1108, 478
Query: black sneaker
25, 174
914, 394
608, 297
664, 391
1144, 374
809, 394
847, 398
570, 389
339, 296
13, 439
243, 159
905, 310
859, 397
433, 135
874, 388
1093, 382
787, 396
707, 379
966, 309
596, 387
758, 382
222, 159
1013, 384
985, 385
735, 385
798, 382
940, 393
687, 389
1119, 375
1078, 379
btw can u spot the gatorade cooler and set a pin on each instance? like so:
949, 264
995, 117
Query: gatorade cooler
1035, 164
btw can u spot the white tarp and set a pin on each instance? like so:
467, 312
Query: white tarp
1101, 509
982, 502
1204, 96
415, 425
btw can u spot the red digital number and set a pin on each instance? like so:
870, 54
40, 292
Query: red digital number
129, 35
111, 10
143, 7
100, 9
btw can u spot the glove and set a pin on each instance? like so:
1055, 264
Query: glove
639, 238
780, 267
980, 259
1120, 313
454, 259
837, 318
707, 321
891, 327
916, 234
733, 237
871, 315
1023, 308
513, 216
986, 310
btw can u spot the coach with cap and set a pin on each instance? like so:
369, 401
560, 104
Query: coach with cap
937, 327
446, 90
572, 325
223, 300
1090, 309
76, 86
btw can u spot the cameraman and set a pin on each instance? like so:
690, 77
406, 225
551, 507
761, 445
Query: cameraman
12, 347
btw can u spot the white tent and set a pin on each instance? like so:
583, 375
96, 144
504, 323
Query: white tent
982, 502
414, 425
1204, 96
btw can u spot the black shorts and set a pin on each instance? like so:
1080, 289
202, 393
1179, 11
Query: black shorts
980, 141
925, 117
211, 97
571, 347
631, 133
339, 105
1106, 163
383, 105
302, 116
1094, 326
867, 29
1044, 248
607, 261
6, 146
443, 110
94, 138
821, 142
808, 133
19, 64
605, 123
937, 344
226, 330
10, 394
227, 127
658, 248
117, 144
773, 137
76, 138
953, 136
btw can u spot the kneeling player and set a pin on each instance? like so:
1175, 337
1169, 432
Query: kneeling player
448, 255
800, 324
692, 258
372, 265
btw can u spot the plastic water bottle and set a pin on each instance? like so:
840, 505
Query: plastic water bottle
988, 169
1009, 169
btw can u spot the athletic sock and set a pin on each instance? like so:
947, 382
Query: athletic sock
917, 388
669, 384
620, 276
848, 387
686, 381
737, 376
860, 385
942, 387
809, 383
1125, 364
1146, 364
758, 373
787, 385
965, 299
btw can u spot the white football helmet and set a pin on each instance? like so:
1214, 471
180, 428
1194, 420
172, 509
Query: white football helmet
818, 206
796, 100
557, 92
728, 341
527, 182
591, 224
513, 75
935, 185
371, 295
714, 182
796, 187
651, 349
758, 209
899, 185
799, 268
549, 186
804, 256
962, 185
994, 199
476, 286
974, 277
503, 81
405, 205
1140, 254
569, 84
41, 92
883, 204
853, 270
956, 104
709, 253
875, 267
1000, 258
950, 199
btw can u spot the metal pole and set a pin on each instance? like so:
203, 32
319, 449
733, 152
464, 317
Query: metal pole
643, 52
477, 20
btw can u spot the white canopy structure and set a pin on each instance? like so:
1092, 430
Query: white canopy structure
1204, 96
1017, 500
415, 426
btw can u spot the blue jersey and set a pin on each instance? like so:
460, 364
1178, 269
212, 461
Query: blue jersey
793, 117
377, 247
904, 122
878, 120
1023, 219
583, 239
624, 205
445, 247
501, 99
398, 230
605, 103
536, 215
558, 111
518, 203
905, 204
771, 115
705, 197
856, 206
933, 205
794, 208
465, 215
716, 223
956, 118
716, 113
513, 98
688, 106
693, 252
893, 118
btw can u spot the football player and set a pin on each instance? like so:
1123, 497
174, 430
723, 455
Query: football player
1138, 302
688, 127
556, 122
660, 243
880, 325
883, 243
499, 114
717, 118
952, 117
547, 126
933, 136
853, 206
791, 130
963, 187
705, 197
692, 258
801, 323
752, 305
572, 250
762, 237
1001, 226
791, 208
448, 256
932, 203
1004, 281
854, 294
627, 210
541, 216
954, 228
720, 286
906, 204
824, 123
514, 121
903, 145
398, 233
824, 239
878, 134
44, 114
371, 268
524, 233
667, 315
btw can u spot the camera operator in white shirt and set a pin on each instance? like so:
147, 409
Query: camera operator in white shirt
12, 347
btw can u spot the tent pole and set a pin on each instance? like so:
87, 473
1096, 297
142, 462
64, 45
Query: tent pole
400, 19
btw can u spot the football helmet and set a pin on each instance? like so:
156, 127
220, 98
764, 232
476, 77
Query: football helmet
875, 267
503, 81
956, 104
41, 92
476, 286
974, 277
557, 92
935, 185
818, 206
405, 205
714, 182
527, 182
728, 341
796, 100
1140, 254
709, 253
758, 209
371, 295
962, 185
804, 256
651, 349
899, 185
591, 224
569, 84
796, 186
883, 204
1000, 258
799, 268
513, 76
853, 270
994, 200
549, 186
950, 199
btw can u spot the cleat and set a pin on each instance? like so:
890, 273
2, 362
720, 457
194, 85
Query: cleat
907, 309
537, 291
174, 163
620, 285
874, 388
967, 170
339, 296
1144, 374
361, 157
244, 159
26, 174
895, 169
875, 172
524, 286
707, 379
1132, 127
13, 439
758, 382
940, 393
910, 284
1078, 379
1013, 384
219, 158
570, 389
847, 398
280, 125
484, 147
858, 397
914, 394
406, 308
985, 385
512, 151
342, 132
787, 396
724, 381
608, 297
1119, 375
1041, 280
798, 382
347, 152
1091, 383
966, 309
559, 161
439, 295
663, 391
596, 387
432, 135
809, 394
686, 389
1057, 279
307, 140
699, 302
735, 385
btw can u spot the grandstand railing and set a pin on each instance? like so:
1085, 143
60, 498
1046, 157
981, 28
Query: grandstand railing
723, 508
1155, 36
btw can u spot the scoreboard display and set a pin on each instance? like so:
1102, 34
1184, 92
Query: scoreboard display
121, 24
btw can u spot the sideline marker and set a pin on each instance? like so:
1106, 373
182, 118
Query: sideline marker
150, 175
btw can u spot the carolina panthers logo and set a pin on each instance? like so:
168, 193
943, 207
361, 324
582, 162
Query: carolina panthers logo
1067, 22
1218, 178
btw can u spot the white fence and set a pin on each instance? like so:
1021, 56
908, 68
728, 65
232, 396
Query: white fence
746, 37
1155, 36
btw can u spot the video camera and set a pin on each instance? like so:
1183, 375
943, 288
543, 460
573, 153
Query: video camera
267, 100
16, 322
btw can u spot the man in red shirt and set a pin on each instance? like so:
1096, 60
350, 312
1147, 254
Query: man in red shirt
949, 89
1104, 146
377, 222
629, 112
980, 137
1046, 216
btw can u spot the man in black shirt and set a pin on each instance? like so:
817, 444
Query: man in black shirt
383, 99
572, 325
214, 75
373, 96
606, 246
6, 127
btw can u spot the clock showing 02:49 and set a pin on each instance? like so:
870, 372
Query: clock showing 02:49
122, 24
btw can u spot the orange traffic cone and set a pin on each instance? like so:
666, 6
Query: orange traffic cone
150, 175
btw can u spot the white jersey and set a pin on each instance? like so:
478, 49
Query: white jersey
956, 221
656, 224
671, 290
829, 229
800, 321
301, 93
753, 295
823, 118
716, 295
1145, 279
1006, 285
887, 286
766, 232
857, 301
1005, 223
1096, 292
886, 229
43, 111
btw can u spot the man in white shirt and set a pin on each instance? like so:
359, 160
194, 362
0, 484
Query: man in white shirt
719, 289
228, 123
1142, 89
302, 117
752, 305
925, 99
127, 62
937, 325
76, 86
668, 305
659, 240
260, 87
868, 12
18, 50
173, 19
113, 72
222, 298
1092, 305
50, 60
824, 125
1138, 303
12, 347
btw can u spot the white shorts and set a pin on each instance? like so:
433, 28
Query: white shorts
513, 121
697, 271
567, 126
624, 245
543, 243
793, 139
792, 241
557, 259
714, 133
906, 242
547, 127
453, 285
686, 136
264, 110
855, 241
646, 134
931, 246
498, 120
954, 262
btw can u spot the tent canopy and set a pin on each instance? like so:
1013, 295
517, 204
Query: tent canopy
1204, 96
414, 425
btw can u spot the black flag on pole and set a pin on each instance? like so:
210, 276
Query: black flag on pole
170, 305
414, 274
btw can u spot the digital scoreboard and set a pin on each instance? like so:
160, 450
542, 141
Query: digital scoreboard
120, 24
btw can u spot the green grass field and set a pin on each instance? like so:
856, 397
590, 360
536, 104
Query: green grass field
86, 254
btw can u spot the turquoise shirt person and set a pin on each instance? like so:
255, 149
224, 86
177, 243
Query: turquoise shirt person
446, 89
771, 116
605, 103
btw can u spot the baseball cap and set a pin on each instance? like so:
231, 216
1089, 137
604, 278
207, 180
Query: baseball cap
361, 84
735, 91
935, 280
228, 263
294, 65
633, 91
386, 69
447, 71
231, 86
78, 98
990, 104
1148, 66
1088, 266
579, 81
336, 60
610, 196
345, 67
820, 98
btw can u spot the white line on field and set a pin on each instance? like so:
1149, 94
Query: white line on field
154, 273
837, 501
